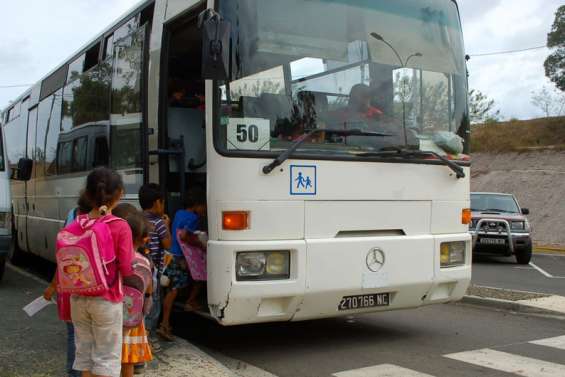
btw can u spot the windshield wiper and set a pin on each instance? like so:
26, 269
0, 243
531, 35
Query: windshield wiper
494, 210
287, 153
407, 153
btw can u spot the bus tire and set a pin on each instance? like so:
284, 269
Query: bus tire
524, 255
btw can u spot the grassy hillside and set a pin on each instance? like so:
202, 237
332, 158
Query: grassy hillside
519, 135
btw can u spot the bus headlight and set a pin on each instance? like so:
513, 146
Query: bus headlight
263, 265
452, 254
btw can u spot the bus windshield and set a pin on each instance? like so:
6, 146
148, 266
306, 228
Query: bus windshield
393, 67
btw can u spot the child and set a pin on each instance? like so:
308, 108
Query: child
98, 319
189, 220
135, 346
152, 202
63, 300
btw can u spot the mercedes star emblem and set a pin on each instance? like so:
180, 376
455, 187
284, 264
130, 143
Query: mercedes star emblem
375, 259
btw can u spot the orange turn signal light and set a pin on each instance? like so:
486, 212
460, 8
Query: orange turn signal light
466, 216
235, 220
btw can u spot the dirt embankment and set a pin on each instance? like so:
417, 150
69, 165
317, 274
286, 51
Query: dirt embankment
537, 178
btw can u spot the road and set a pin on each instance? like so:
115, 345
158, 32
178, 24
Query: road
452, 340
417, 340
545, 274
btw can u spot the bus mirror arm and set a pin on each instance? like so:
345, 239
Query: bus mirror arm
215, 45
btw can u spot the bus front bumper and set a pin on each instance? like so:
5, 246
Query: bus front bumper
325, 271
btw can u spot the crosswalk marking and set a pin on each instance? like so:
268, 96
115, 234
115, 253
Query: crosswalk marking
557, 342
506, 362
383, 370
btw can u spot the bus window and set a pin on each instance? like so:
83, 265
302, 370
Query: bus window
100, 152
126, 111
86, 99
75, 68
48, 130
64, 157
79, 154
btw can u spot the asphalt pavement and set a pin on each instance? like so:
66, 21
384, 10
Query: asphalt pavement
545, 274
430, 341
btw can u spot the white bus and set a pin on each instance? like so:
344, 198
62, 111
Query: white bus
5, 204
330, 136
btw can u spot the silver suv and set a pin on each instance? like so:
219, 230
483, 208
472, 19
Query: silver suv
499, 226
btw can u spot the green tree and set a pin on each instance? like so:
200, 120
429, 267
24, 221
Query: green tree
555, 63
482, 108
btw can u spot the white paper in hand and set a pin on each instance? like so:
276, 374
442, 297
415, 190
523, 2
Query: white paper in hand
36, 306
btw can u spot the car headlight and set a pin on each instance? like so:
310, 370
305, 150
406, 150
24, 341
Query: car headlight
263, 265
518, 225
452, 254
5, 220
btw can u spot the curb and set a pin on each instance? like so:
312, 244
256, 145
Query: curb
512, 306
549, 250
183, 359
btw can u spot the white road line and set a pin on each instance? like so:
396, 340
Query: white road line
26, 274
545, 273
542, 271
383, 370
557, 342
506, 362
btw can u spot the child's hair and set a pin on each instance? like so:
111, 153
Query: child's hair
195, 196
123, 210
103, 187
83, 204
149, 194
139, 225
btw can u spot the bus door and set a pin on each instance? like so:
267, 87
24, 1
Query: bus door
182, 126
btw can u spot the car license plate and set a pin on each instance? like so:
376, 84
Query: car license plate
364, 301
493, 241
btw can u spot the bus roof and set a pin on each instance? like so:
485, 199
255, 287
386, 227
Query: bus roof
109, 29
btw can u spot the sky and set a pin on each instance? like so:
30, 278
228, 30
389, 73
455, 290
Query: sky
37, 35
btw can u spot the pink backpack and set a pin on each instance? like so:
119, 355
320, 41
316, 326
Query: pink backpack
135, 286
84, 249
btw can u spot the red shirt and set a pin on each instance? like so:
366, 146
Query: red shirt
123, 247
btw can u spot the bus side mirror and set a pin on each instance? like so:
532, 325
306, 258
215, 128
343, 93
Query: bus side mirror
215, 45
525, 211
23, 171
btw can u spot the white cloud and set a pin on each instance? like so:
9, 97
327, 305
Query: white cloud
507, 25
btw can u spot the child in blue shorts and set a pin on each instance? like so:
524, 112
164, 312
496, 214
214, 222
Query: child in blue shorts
189, 219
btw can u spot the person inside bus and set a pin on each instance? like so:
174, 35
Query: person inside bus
359, 108
183, 94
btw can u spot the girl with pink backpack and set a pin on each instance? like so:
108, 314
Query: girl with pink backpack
93, 254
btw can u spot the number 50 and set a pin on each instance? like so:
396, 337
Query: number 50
247, 133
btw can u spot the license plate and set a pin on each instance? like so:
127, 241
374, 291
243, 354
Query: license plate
364, 301
493, 241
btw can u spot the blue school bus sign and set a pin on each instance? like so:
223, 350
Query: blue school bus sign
303, 180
